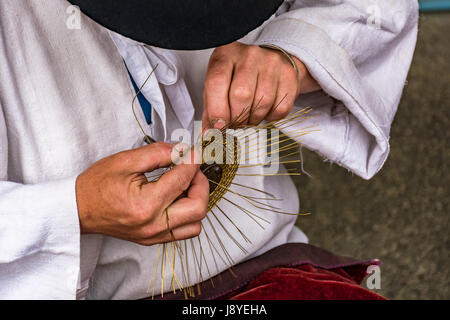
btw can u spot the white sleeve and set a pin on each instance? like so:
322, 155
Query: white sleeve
39, 236
360, 52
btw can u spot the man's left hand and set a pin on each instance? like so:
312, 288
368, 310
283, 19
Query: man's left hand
251, 84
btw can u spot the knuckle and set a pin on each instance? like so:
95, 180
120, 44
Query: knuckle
251, 57
289, 72
196, 229
121, 158
139, 214
266, 102
218, 56
159, 152
290, 79
181, 183
218, 64
283, 110
203, 181
214, 80
241, 93
248, 63
217, 61
184, 182
160, 146
274, 58
146, 233
145, 243
253, 50
157, 202
256, 118
199, 210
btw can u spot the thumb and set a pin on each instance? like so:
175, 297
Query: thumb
147, 158
177, 180
173, 183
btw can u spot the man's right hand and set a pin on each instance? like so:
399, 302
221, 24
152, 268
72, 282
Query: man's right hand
115, 199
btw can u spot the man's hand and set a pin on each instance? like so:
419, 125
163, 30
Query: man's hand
114, 198
251, 83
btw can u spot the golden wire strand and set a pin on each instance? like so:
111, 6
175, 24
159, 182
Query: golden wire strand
133, 109
249, 213
225, 251
234, 224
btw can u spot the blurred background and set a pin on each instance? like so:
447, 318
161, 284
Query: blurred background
401, 215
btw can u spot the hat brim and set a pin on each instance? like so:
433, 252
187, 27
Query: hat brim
180, 24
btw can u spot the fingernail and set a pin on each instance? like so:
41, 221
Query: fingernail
219, 124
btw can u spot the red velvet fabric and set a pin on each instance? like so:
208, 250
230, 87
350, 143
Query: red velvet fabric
306, 282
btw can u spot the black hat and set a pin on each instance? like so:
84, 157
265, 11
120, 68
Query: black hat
180, 24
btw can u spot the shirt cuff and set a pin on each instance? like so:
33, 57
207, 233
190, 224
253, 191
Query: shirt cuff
40, 256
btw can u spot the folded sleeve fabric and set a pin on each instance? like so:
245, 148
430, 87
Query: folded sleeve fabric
360, 53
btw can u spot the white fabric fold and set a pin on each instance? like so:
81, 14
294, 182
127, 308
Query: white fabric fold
362, 66
141, 60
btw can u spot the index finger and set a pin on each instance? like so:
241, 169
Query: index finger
193, 207
215, 96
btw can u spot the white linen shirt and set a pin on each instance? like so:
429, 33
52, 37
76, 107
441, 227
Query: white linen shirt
65, 102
